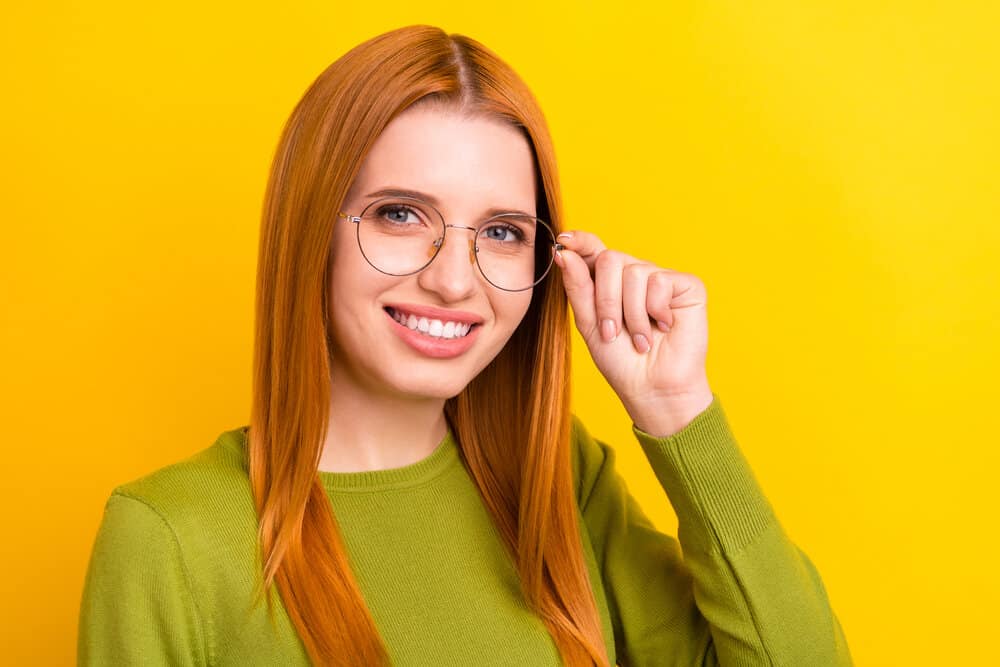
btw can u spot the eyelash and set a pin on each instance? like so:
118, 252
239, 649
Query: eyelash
397, 208
517, 232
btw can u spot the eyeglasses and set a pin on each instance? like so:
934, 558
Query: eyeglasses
400, 236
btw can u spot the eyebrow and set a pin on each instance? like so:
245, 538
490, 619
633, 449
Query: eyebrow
431, 199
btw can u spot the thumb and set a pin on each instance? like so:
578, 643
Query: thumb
579, 289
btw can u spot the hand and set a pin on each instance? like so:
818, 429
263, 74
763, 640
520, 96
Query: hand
646, 328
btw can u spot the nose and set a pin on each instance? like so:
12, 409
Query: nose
453, 274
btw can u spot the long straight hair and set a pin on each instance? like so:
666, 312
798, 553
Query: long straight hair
517, 455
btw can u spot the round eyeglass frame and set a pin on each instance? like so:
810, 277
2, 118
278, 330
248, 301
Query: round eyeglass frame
356, 219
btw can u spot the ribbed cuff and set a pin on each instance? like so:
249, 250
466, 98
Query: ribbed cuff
717, 498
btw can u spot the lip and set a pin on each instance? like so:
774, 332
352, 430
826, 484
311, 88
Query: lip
433, 313
437, 348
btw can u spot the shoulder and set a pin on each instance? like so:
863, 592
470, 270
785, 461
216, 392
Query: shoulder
192, 491
176, 546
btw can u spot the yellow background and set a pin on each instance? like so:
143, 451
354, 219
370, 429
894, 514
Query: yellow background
830, 171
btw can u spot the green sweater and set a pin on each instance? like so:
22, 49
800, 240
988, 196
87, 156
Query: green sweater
172, 570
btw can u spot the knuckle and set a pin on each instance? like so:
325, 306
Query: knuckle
606, 304
633, 271
606, 259
660, 279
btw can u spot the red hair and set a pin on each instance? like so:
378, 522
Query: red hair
530, 495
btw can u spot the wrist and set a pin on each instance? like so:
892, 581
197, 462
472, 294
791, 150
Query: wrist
665, 416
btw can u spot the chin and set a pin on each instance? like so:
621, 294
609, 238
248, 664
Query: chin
431, 389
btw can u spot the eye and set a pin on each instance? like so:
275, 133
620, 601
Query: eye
504, 233
398, 213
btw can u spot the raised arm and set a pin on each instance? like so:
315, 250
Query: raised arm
734, 590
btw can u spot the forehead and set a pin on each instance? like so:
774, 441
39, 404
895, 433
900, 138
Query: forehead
467, 162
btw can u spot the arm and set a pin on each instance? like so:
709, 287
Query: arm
137, 607
742, 594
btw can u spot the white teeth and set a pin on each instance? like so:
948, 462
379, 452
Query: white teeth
435, 328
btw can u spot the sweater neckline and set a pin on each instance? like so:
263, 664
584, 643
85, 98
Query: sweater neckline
444, 455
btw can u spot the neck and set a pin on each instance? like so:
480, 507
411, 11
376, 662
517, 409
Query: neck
374, 431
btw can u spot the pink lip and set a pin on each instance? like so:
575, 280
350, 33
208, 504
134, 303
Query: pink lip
438, 348
432, 313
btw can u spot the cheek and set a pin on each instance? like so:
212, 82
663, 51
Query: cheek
512, 310
351, 277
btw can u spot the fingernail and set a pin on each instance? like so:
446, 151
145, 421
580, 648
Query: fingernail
608, 331
558, 258
662, 325
567, 235
641, 343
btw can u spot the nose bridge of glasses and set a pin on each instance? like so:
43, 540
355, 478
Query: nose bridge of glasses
472, 240
462, 227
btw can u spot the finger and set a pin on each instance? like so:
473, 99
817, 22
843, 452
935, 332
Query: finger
659, 295
608, 267
588, 246
579, 290
635, 279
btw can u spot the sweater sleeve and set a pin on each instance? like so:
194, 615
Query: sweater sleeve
137, 606
731, 589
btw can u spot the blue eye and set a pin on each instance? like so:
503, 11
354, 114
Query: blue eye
397, 213
503, 233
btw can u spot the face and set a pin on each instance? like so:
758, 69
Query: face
468, 166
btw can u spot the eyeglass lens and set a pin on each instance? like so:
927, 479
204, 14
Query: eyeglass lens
400, 236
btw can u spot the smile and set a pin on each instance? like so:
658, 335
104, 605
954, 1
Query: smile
430, 327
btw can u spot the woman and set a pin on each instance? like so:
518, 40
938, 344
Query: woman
411, 481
